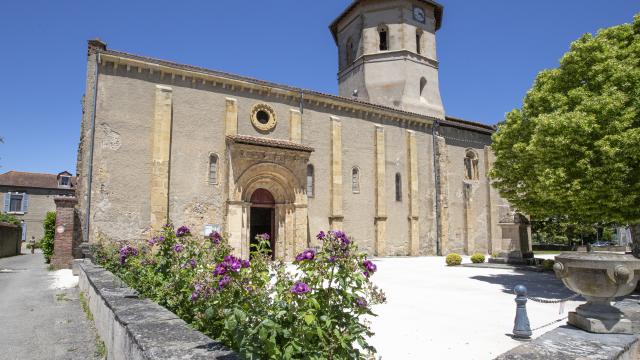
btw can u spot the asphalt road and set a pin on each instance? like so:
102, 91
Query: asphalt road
37, 321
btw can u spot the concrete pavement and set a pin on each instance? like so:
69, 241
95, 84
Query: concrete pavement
440, 312
38, 320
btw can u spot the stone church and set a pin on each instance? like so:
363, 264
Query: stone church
162, 141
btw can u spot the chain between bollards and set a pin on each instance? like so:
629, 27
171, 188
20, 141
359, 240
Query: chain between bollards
521, 326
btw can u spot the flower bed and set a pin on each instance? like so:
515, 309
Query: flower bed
255, 306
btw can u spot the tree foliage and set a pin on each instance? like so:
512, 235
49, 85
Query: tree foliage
573, 149
46, 244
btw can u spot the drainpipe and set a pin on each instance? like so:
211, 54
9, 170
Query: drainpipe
436, 175
91, 144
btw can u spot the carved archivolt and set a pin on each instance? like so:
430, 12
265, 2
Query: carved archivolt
263, 117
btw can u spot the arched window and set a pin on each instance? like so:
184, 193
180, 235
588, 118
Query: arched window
398, 187
423, 86
355, 180
471, 165
310, 181
383, 33
213, 169
349, 51
419, 41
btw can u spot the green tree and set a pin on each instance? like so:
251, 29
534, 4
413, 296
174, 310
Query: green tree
49, 236
573, 149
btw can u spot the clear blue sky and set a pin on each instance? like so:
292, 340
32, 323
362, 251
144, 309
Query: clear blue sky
490, 52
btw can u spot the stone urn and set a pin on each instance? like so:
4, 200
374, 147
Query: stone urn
599, 277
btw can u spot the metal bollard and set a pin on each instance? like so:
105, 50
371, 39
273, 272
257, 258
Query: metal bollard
521, 326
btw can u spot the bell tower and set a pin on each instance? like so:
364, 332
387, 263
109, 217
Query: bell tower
387, 54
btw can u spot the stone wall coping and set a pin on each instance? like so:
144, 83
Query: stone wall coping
8, 225
136, 328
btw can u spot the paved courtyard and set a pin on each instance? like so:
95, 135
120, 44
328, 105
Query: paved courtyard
439, 312
40, 312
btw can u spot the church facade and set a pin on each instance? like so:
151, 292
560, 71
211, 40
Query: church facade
162, 141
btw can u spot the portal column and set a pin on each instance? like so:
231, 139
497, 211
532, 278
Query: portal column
335, 221
160, 157
381, 204
238, 227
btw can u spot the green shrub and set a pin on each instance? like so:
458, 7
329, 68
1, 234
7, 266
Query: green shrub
477, 258
548, 264
260, 308
453, 259
36, 245
8, 218
46, 244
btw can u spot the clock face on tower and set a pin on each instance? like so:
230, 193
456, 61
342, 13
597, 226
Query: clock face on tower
418, 14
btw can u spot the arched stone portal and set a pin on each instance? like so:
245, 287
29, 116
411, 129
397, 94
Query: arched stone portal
281, 172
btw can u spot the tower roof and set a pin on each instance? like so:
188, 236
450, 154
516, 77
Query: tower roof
334, 25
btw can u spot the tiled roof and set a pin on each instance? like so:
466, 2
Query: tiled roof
275, 143
465, 124
33, 180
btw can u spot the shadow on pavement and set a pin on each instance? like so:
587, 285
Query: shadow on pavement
540, 285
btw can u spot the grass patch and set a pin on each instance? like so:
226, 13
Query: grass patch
85, 306
547, 252
62, 297
101, 348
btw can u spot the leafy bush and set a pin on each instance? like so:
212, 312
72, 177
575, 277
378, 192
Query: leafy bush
477, 258
548, 264
35, 245
46, 244
261, 308
453, 259
8, 218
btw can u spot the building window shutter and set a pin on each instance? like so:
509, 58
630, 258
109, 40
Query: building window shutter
25, 202
24, 231
7, 199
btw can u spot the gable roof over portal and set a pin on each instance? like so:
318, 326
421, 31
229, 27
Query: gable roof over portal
334, 25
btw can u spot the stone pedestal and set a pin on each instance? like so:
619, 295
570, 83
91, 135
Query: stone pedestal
601, 318
64, 234
516, 240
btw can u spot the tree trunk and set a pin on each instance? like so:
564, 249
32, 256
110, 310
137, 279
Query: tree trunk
635, 240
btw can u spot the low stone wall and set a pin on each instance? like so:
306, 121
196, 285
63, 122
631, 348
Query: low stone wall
570, 343
134, 328
10, 239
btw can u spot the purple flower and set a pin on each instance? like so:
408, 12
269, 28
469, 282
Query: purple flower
300, 288
369, 267
232, 263
197, 289
178, 247
224, 281
126, 252
183, 231
220, 269
190, 263
264, 236
332, 259
245, 263
321, 235
361, 302
168, 226
156, 240
215, 237
308, 254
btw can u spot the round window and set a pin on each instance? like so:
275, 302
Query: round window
263, 117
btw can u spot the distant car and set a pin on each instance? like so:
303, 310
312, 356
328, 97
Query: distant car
601, 244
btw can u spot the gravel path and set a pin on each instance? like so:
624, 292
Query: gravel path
40, 312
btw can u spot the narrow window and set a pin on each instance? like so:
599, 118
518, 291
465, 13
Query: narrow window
213, 169
423, 86
471, 166
383, 31
419, 41
398, 187
15, 204
310, 181
355, 180
349, 51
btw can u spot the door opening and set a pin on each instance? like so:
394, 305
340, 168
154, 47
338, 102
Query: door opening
262, 218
